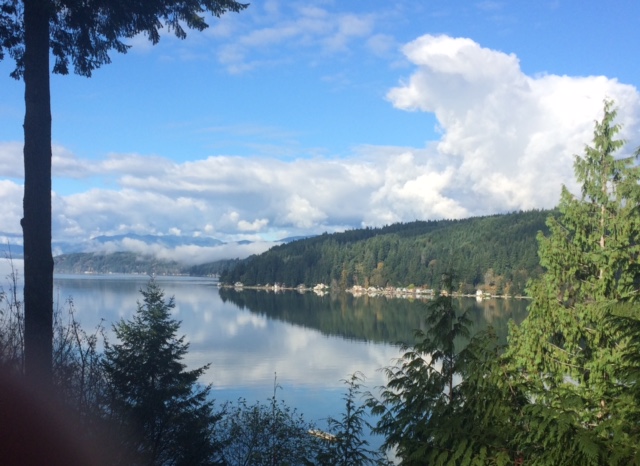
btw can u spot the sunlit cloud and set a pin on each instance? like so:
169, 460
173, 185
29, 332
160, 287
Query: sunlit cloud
509, 137
506, 141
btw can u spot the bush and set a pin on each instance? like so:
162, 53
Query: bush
267, 434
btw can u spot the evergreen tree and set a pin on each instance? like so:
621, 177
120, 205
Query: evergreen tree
166, 417
449, 399
569, 354
348, 447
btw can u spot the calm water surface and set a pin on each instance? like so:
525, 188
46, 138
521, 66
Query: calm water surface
311, 342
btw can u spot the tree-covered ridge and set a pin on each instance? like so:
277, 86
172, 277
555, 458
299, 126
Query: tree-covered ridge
118, 262
497, 252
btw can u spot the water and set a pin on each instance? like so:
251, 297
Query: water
310, 342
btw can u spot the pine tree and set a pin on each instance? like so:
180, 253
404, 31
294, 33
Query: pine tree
348, 446
449, 400
166, 417
569, 354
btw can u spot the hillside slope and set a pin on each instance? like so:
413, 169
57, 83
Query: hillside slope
497, 253
131, 263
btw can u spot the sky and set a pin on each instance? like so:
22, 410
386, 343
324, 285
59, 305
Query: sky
302, 117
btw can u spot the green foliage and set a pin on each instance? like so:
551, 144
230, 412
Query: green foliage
449, 399
396, 255
83, 33
572, 355
348, 447
167, 417
266, 434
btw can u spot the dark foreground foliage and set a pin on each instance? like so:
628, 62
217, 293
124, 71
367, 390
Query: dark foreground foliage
135, 403
151, 395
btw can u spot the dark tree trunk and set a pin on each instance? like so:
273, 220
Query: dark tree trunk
36, 224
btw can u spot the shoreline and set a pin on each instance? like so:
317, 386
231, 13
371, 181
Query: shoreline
390, 292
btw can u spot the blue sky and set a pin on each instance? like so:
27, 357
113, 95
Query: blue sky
295, 118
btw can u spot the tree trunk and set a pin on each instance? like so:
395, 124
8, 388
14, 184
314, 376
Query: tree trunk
36, 223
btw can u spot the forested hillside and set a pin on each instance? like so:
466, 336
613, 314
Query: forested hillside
497, 253
117, 262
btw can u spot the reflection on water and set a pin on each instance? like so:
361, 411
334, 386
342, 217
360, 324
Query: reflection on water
312, 342
377, 319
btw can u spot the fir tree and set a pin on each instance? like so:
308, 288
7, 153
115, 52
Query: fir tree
348, 446
445, 402
569, 354
166, 417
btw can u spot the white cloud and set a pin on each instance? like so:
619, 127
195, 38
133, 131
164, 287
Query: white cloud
381, 44
510, 138
271, 34
11, 161
349, 26
11, 195
187, 254
256, 225
301, 213
507, 142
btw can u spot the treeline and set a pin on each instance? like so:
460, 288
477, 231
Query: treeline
132, 263
498, 253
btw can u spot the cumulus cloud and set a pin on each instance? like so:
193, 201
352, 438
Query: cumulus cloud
509, 138
507, 141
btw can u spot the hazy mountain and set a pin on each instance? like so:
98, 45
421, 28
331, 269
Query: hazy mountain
169, 241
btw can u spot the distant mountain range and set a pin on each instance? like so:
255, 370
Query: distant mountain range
113, 254
169, 241
12, 245
134, 253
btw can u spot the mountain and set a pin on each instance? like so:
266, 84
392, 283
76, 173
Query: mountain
117, 262
168, 241
496, 253
12, 244
131, 263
